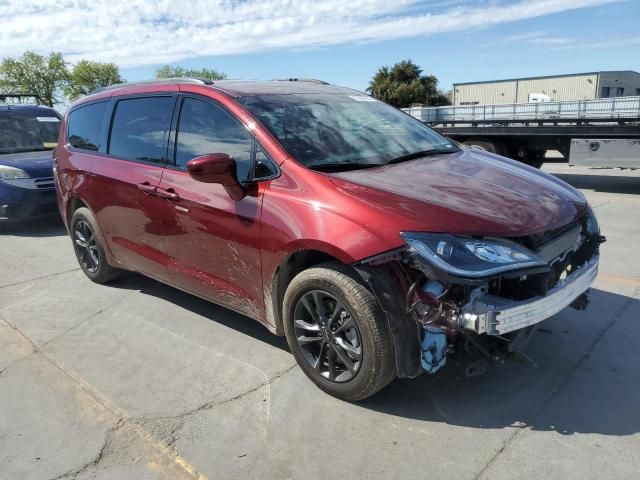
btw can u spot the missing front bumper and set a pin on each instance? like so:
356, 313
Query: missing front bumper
496, 315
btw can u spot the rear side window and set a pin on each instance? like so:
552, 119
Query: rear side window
139, 128
206, 128
84, 130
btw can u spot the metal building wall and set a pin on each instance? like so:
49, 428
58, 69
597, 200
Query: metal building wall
629, 81
574, 87
485, 93
559, 88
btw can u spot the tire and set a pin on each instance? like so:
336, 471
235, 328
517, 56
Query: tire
91, 257
359, 326
484, 145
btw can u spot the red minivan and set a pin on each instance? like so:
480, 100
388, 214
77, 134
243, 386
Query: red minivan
372, 242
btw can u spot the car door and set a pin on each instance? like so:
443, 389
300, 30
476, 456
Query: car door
217, 254
133, 219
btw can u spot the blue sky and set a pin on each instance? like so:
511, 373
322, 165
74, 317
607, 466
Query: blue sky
341, 41
605, 37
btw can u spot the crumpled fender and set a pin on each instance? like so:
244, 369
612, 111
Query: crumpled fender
388, 286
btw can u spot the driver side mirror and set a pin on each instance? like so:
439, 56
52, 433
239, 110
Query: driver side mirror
213, 168
218, 168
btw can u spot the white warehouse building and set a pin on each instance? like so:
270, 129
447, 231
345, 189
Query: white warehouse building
577, 86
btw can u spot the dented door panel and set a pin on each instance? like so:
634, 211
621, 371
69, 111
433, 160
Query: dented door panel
214, 251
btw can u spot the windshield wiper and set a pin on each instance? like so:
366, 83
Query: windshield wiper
420, 154
341, 166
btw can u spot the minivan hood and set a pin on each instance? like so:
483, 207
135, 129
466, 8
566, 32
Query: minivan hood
467, 192
37, 164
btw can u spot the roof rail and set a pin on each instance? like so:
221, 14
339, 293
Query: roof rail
309, 80
200, 81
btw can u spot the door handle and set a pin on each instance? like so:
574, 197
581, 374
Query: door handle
147, 188
168, 193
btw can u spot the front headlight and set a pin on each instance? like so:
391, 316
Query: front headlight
11, 173
591, 224
468, 257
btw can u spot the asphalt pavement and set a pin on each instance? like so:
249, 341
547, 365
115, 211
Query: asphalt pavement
136, 380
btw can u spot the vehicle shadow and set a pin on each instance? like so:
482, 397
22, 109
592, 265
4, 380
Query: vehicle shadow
203, 308
602, 183
43, 227
585, 382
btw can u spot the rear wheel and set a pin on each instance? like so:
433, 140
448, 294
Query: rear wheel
89, 248
337, 332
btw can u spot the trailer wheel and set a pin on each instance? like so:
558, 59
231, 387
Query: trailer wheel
485, 145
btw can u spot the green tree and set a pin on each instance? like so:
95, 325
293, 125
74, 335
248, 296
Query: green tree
443, 98
403, 85
169, 71
87, 76
44, 76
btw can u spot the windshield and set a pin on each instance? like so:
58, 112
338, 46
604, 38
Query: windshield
334, 131
27, 132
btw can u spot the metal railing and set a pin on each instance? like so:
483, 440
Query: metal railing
601, 108
18, 98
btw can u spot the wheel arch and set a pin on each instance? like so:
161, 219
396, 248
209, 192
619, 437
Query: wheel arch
74, 202
291, 265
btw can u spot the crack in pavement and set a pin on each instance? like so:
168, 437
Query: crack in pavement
96, 460
213, 403
34, 347
165, 445
587, 353
156, 441
37, 348
43, 277
174, 434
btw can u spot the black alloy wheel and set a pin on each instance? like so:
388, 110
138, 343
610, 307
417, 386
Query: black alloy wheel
337, 332
328, 336
86, 247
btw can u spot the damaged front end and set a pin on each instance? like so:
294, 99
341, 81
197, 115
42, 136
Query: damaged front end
484, 294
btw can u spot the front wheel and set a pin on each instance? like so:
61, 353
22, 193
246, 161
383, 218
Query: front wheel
337, 332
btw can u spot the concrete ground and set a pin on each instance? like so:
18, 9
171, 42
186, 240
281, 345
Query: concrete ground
136, 380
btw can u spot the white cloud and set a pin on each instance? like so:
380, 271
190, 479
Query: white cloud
139, 32
611, 43
539, 38
543, 38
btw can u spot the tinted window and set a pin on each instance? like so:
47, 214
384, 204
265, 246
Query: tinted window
140, 127
85, 126
206, 128
28, 130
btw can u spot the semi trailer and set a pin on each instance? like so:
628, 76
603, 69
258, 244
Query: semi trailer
598, 133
